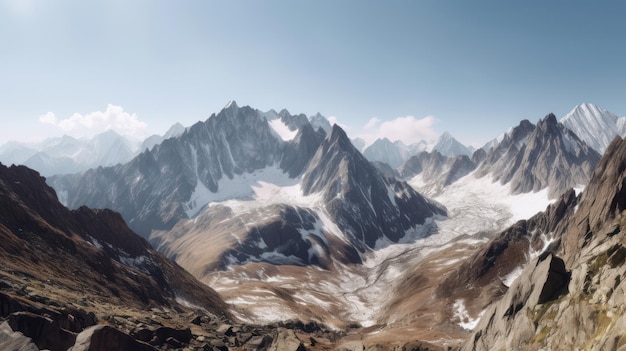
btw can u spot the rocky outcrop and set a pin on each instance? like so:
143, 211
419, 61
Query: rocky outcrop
480, 278
508, 324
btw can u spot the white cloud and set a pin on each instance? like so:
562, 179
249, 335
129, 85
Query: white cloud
407, 129
48, 118
114, 117
372, 123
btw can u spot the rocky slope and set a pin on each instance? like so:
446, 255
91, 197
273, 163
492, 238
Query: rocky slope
81, 280
571, 296
56, 256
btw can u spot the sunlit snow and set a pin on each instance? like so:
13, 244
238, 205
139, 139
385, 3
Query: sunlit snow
465, 320
282, 129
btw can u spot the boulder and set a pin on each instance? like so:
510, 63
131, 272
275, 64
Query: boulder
44, 332
105, 338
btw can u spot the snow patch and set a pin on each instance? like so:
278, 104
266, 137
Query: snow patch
282, 129
270, 184
465, 320
508, 279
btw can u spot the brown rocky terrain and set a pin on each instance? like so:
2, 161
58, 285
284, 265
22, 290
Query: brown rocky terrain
81, 280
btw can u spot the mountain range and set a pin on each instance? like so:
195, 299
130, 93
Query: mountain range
294, 239
67, 155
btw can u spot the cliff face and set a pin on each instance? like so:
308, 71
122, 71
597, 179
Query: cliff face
572, 295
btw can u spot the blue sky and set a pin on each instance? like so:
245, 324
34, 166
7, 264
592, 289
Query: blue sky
473, 68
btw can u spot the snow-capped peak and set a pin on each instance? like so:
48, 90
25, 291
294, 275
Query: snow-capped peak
594, 125
447, 145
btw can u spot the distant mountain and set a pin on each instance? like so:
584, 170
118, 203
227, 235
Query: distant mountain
621, 126
392, 153
318, 121
447, 145
436, 170
359, 144
341, 208
175, 130
69, 155
383, 150
531, 158
595, 126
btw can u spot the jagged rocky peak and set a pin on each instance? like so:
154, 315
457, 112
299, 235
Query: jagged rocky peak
531, 158
329, 165
174, 179
365, 205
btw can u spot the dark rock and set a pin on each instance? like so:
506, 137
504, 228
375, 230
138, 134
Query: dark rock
173, 343
44, 332
105, 338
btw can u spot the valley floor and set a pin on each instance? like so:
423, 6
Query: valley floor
390, 296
